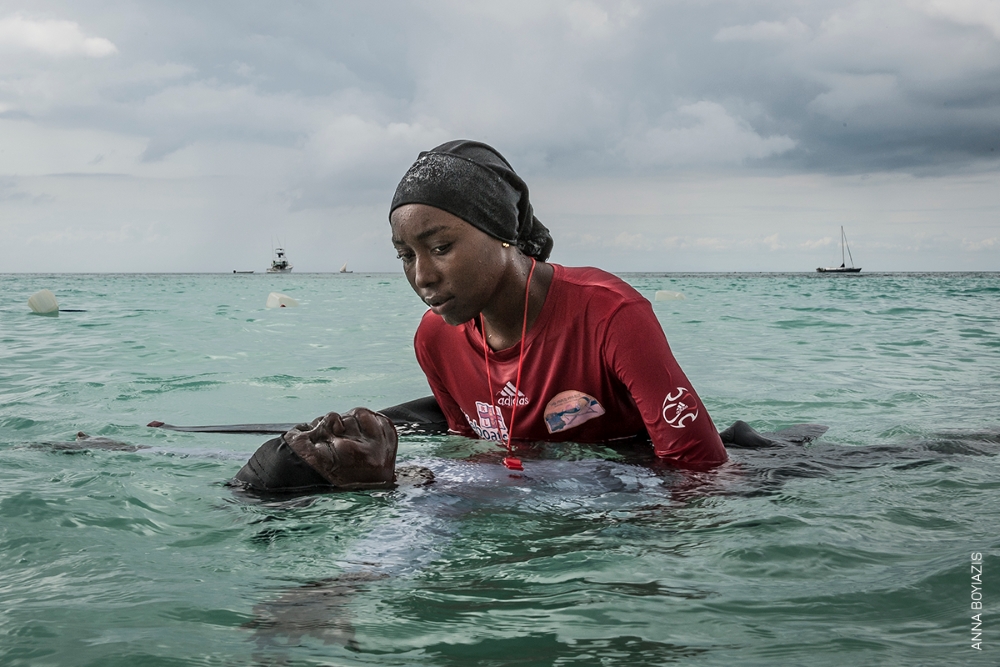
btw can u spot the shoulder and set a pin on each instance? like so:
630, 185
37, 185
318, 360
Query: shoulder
595, 286
606, 306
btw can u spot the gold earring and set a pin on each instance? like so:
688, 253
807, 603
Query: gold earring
505, 244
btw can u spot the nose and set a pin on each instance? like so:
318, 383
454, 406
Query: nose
425, 274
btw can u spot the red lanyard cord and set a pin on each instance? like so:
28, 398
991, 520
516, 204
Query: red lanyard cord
511, 462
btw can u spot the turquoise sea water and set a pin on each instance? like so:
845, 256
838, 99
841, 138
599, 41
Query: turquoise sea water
854, 550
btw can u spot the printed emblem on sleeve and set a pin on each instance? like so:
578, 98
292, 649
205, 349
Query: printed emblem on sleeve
569, 409
680, 408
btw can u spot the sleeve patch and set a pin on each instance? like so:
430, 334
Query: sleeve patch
680, 408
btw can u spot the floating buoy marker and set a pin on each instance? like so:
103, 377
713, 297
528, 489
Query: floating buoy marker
43, 302
279, 300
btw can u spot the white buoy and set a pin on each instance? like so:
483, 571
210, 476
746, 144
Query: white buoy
44, 302
279, 300
667, 295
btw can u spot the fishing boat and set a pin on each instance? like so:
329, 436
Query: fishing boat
843, 268
343, 269
280, 263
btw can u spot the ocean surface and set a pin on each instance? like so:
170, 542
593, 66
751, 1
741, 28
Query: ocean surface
856, 549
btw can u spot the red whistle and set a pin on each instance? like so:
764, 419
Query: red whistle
513, 463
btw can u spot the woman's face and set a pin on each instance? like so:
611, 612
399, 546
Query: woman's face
455, 268
353, 450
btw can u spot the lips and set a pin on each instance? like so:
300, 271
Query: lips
439, 305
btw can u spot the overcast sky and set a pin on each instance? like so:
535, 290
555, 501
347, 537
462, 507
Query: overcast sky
655, 136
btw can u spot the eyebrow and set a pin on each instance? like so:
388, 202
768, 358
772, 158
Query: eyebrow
422, 235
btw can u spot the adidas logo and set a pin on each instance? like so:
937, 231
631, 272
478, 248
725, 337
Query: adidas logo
507, 395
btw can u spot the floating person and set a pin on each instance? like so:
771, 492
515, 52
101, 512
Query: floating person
353, 451
356, 450
516, 348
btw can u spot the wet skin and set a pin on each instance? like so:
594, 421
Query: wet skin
460, 272
355, 450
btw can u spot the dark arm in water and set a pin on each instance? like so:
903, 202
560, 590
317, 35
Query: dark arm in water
424, 416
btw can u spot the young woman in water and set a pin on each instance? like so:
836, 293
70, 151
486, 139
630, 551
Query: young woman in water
515, 348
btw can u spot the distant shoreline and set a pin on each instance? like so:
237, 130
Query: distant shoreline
361, 274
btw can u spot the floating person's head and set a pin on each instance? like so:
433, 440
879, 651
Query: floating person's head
356, 450
462, 203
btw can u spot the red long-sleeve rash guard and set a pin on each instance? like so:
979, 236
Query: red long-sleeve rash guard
596, 367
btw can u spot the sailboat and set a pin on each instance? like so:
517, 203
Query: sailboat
843, 268
343, 269
280, 263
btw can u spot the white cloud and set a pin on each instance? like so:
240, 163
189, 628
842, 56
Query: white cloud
764, 31
773, 242
710, 243
980, 13
813, 244
850, 92
979, 246
350, 142
710, 136
585, 19
641, 242
43, 89
120, 235
629, 241
32, 149
598, 20
51, 38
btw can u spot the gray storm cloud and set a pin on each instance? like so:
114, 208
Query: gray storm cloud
322, 107
885, 84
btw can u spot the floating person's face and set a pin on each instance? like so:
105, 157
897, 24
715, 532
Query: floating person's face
453, 267
356, 450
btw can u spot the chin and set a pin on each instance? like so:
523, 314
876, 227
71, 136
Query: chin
455, 319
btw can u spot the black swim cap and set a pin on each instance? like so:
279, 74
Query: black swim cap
277, 468
474, 182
